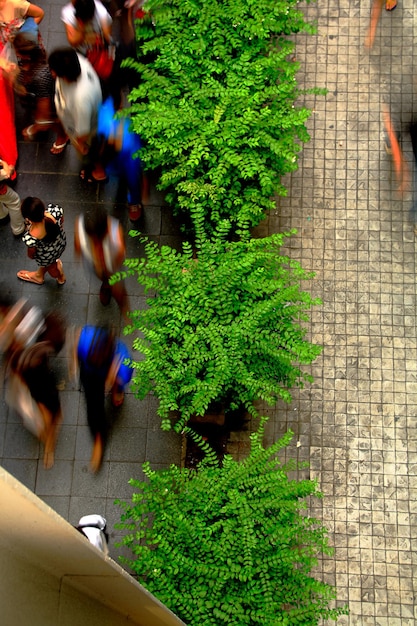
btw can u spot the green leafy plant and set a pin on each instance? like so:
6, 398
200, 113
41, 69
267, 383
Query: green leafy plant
231, 544
216, 104
225, 327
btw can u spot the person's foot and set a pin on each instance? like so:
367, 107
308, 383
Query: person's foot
390, 5
30, 277
98, 174
29, 133
89, 177
58, 148
135, 212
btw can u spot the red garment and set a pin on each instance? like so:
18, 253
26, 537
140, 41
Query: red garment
8, 143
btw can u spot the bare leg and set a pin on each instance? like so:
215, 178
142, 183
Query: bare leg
50, 435
97, 454
375, 13
56, 271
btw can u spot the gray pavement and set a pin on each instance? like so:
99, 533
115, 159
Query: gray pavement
357, 422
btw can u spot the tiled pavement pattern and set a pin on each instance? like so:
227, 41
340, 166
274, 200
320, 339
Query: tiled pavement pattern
356, 423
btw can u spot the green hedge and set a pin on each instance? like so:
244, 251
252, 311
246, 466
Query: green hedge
230, 545
216, 105
226, 327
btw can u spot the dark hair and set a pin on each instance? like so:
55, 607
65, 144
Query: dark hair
84, 10
95, 222
33, 209
29, 49
64, 62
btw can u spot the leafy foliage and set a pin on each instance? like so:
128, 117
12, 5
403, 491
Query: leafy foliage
225, 328
229, 545
216, 104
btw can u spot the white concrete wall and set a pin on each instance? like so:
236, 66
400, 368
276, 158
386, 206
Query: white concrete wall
52, 576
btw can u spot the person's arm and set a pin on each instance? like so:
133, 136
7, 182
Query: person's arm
106, 29
75, 34
6, 170
36, 12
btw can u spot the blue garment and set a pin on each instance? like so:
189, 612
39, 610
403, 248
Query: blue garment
124, 375
93, 338
124, 164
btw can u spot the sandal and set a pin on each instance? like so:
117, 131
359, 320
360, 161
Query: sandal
61, 280
89, 178
58, 148
29, 277
135, 212
29, 133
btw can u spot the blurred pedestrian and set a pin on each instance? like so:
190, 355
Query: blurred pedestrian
390, 5
10, 201
120, 152
97, 356
99, 240
392, 147
45, 239
30, 383
77, 101
87, 22
36, 88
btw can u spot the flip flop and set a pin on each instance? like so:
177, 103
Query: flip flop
58, 148
29, 134
29, 277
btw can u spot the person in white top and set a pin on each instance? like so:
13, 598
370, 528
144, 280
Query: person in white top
77, 100
85, 22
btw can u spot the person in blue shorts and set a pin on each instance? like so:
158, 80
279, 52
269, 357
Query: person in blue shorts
100, 358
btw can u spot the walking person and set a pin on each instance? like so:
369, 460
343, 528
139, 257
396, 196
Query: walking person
99, 240
120, 152
45, 239
97, 356
29, 339
77, 101
36, 87
10, 201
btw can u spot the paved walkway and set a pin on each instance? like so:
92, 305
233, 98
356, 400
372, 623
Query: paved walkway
356, 423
